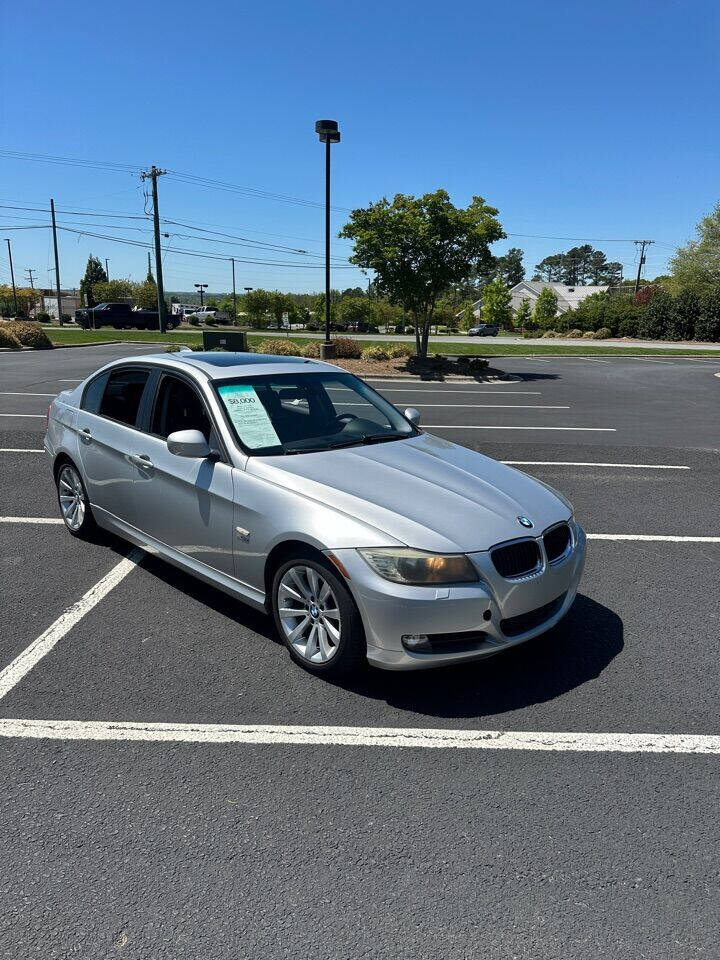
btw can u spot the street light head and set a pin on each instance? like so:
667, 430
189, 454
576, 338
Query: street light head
327, 130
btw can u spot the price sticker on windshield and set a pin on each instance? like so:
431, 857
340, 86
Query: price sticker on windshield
249, 416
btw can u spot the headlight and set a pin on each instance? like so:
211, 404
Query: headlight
404, 565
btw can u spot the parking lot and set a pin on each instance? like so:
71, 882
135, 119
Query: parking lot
174, 787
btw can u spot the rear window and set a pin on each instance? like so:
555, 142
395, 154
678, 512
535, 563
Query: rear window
121, 400
93, 393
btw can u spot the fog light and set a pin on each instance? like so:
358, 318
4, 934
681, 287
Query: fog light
413, 641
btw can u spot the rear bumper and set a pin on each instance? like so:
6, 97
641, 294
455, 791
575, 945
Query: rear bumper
390, 611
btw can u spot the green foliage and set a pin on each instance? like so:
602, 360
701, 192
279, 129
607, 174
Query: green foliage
708, 326
467, 317
575, 334
657, 316
579, 266
354, 311
145, 294
278, 347
548, 334
604, 333
510, 267
604, 310
26, 300
685, 315
374, 354
523, 314
28, 334
94, 273
496, 302
545, 309
112, 291
419, 247
697, 265
588, 335
311, 349
397, 350
347, 349
257, 306
7, 339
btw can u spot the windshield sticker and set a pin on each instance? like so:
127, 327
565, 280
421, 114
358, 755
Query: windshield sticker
249, 416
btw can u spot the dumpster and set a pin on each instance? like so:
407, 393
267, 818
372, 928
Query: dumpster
235, 341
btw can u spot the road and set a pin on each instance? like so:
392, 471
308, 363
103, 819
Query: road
146, 845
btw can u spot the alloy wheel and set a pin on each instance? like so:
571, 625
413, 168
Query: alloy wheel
72, 497
309, 614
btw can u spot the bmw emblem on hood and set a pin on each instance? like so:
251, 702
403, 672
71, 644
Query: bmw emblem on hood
524, 522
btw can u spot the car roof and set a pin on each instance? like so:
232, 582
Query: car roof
227, 364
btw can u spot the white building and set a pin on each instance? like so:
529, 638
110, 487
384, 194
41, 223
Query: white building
567, 297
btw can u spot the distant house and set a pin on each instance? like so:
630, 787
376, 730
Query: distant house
568, 297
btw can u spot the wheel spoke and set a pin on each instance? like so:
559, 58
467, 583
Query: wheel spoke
324, 592
298, 630
313, 581
292, 611
297, 580
333, 614
326, 648
312, 647
293, 593
332, 630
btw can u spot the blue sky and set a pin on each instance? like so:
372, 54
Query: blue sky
575, 120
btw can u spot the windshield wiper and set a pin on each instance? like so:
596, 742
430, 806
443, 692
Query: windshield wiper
354, 442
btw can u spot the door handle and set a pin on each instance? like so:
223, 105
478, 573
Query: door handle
142, 461
85, 434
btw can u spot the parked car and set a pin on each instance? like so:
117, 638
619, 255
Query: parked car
121, 316
203, 314
484, 330
297, 488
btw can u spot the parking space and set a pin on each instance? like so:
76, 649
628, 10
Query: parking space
538, 848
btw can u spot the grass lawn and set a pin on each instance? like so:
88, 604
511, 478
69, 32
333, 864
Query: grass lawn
473, 348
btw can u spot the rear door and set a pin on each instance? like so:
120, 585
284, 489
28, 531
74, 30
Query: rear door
111, 408
184, 503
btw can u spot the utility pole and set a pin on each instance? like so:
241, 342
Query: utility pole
152, 174
232, 261
107, 269
149, 264
642, 244
30, 271
57, 261
12, 276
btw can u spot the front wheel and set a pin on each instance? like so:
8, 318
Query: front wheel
316, 617
74, 503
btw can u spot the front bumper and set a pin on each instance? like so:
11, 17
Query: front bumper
390, 610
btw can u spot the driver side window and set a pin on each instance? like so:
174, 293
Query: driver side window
178, 407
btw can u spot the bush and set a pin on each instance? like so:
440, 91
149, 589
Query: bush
374, 353
7, 339
575, 335
347, 349
280, 348
589, 335
398, 350
602, 334
43, 317
657, 316
409, 330
29, 334
548, 334
685, 315
629, 326
311, 349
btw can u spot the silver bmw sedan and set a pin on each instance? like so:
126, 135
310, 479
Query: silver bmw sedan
294, 486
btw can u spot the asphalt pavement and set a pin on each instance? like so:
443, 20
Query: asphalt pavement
153, 848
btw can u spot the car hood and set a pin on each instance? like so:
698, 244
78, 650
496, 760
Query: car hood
425, 492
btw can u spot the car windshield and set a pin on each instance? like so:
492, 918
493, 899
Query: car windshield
307, 412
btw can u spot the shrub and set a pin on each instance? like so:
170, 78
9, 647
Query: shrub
657, 316
575, 334
629, 326
280, 348
686, 313
347, 349
548, 334
29, 334
409, 330
7, 339
43, 317
311, 349
589, 335
398, 350
707, 326
374, 353
602, 334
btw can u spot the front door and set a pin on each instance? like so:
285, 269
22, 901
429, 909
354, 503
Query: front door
184, 503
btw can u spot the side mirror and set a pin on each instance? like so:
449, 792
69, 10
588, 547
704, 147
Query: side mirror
413, 415
188, 443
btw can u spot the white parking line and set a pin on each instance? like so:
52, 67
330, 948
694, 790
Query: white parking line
446, 426
571, 463
31, 520
32, 416
14, 393
32, 655
417, 738
447, 391
19, 450
475, 406
652, 360
651, 538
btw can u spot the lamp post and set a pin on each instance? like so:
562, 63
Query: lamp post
200, 287
328, 133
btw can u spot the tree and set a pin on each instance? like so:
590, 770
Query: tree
550, 269
356, 312
26, 300
467, 316
496, 302
257, 306
510, 267
658, 316
708, 325
697, 265
94, 273
387, 314
579, 266
545, 309
523, 315
112, 291
280, 304
418, 247
145, 293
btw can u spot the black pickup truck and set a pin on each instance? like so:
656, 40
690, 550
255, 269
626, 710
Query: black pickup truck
121, 316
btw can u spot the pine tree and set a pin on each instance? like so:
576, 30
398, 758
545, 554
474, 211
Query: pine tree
94, 273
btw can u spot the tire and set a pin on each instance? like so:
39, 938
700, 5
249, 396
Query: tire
73, 502
327, 645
